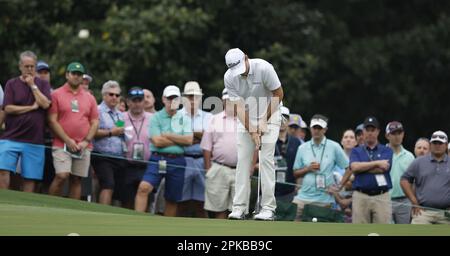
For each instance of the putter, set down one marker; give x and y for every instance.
(258, 199)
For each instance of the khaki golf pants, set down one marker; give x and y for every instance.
(246, 148)
(371, 209)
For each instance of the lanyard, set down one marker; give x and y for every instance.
(138, 133)
(368, 154)
(323, 151)
(112, 117)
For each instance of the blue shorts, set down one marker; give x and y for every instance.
(32, 158)
(194, 180)
(174, 176)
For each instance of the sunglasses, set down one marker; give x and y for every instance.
(172, 97)
(113, 94)
(395, 127)
(439, 136)
(136, 92)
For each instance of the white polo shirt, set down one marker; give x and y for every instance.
(255, 89)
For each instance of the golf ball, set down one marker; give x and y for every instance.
(373, 234)
(314, 219)
(73, 234)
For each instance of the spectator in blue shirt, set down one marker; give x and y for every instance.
(371, 164)
(315, 162)
(109, 143)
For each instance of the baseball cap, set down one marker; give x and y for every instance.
(303, 124)
(235, 60)
(136, 93)
(296, 120)
(439, 136)
(371, 121)
(171, 90)
(319, 120)
(192, 88)
(285, 111)
(359, 128)
(394, 126)
(225, 95)
(87, 77)
(75, 67)
(42, 65)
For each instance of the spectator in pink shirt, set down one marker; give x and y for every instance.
(137, 125)
(220, 159)
(73, 117)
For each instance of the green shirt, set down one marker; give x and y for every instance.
(400, 162)
(178, 124)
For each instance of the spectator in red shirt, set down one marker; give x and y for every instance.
(73, 118)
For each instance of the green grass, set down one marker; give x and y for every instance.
(34, 214)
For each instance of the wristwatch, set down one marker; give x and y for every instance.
(34, 87)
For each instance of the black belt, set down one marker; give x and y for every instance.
(373, 192)
(229, 166)
(167, 155)
(193, 156)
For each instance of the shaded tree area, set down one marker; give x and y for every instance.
(345, 59)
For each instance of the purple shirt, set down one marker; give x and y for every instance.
(28, 127)
(220, 139)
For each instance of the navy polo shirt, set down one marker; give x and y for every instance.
(365, 180)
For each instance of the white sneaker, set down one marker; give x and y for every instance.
(237, 214)
(265, 215)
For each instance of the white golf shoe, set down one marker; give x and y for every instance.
(237, 214)
(265, 215)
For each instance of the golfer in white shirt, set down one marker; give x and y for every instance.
(254, 86)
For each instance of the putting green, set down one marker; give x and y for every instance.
(35, 214)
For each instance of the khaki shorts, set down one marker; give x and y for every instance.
(64, 163)
(430, 217)
(219, 188)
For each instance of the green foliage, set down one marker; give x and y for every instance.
(345, 59)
